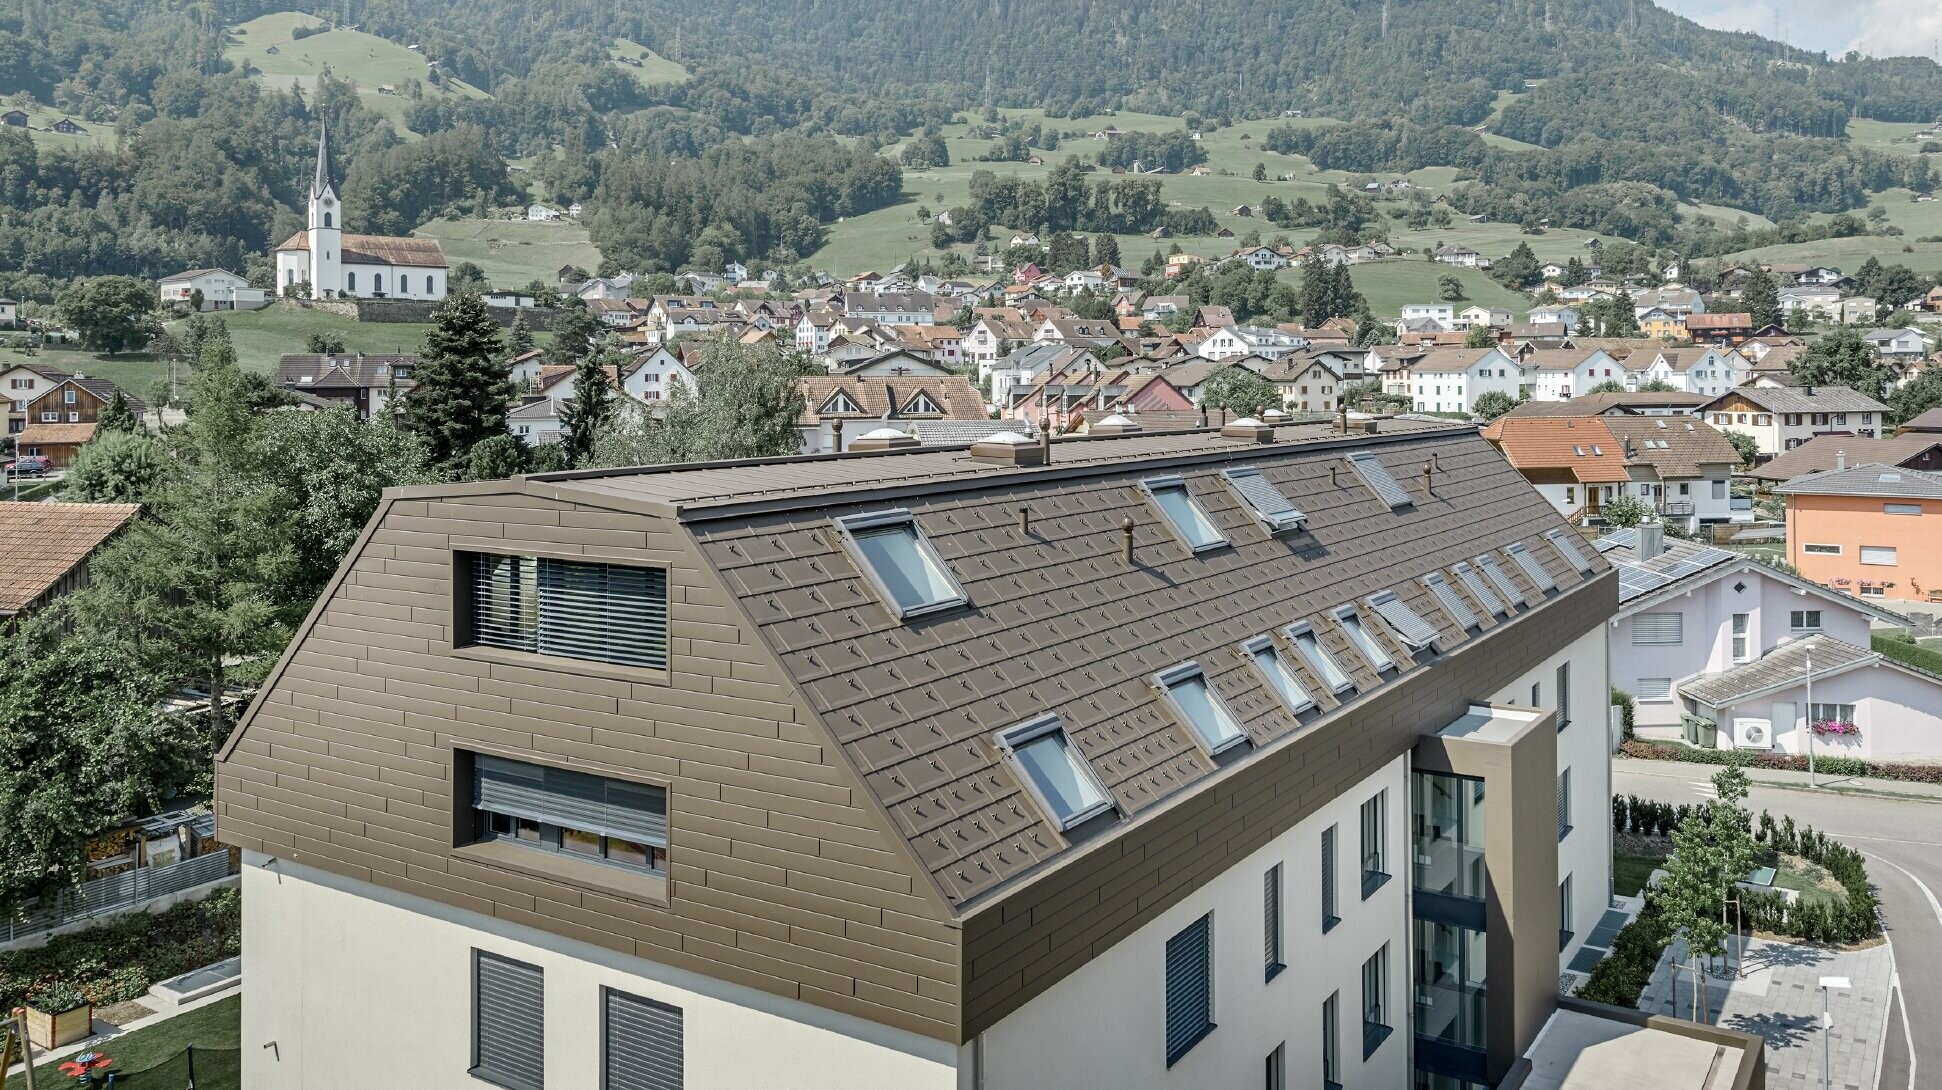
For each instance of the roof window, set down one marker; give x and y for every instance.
(897, 558)
(1190, 524)
(1061, 779)
(1364, 640)
(1500, 579)
(1532, 568)
(1310, 645)
(1202, 710)
(1267, 658)
(1568, 549)
(1451, 601)
(1374, 474)
(1408, 625)
(1480, 590)
(1267, 503)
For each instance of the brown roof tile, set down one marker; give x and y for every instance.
(380, 249)
(44, 541)
(1555, 443)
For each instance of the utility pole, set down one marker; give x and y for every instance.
(1811, 781)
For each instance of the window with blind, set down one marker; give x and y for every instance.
(642, 1044)
(1655, 688)
(1564, 695)
(1271, 921)
(1658, 629)
(577, 814)
(508, 1022)
(1452, 602)
(1531, 567)
(1564, 804)
(1375, 850)
(1190, 988)
(1269, 507)
(569, 608)
(1480, 590)
(1329, 917)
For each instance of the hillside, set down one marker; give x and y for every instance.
(389, 76)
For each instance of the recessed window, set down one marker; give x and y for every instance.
(1375, 1001)
(1500, 579)
(1063, 781)
(1279, 675)
(1271, 921)
(1480, 590)
(508, 1022)
(1564, 804)
(1655, 688)
(1452, 602)
(615, 822)
(1409, 626)
(1364, 640)
(1319, 660)
(1901, 508)
(1268, 505)
(1375, 843)
(922, 403)
(1190, 524)
(1332, 1041)
(1821, 550)
(1190, 988)
(908, 574)
(1658, 629)
(1532, 569)
(570, 608)
(1568, 549)
(643, 1044)
(1804, 620)
(1879, 555)
(840, 402)
(1376, 475)
(1202, 710)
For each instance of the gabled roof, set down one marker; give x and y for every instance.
(379, 250)
(1682, 565)
(1583, 445)
(1819, 454)
(878, 397)
(42, 542)
(1867, 480)
(1456, 359)
(1675, 446)
(310, 371)
(51, 435)
(1607, 404)
(1785, 667)
(1806, 399)
(1930, 421)
(191, 274)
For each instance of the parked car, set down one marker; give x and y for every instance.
(29, 465)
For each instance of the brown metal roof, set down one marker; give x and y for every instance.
(1058, 621)
(379, 250)
(44, 541)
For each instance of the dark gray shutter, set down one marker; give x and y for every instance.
(1564, 695)
(559, 796)
(603, 612)
(1328, 874)
(642, 1045)
(1189, 987)
(508, 1022)
(1271, 915)
(1533, 568)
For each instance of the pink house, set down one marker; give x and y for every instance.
(1059, 399)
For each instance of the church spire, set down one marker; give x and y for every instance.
(323, 179)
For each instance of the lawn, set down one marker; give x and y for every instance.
(1390, 284)
(100, 133)
(1811, 881)
(1630, 873)
(155, 1056)
(365, 59)
(646, 66)
(1893, 137)
(514, 253)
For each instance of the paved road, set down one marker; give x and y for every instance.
(1903, 840)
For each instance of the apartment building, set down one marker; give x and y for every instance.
(1450, 380)
(1780, 418)
(1867, 530)
(981, 767)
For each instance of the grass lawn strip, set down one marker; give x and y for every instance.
(153, 1056)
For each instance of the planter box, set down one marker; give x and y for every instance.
(48, 1031)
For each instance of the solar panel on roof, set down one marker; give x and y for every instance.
(1264, 499)
(1414, 630)
(1480, 590)
(1452, 602)
(1563, 544)
(1532, 569)
(1376, 476)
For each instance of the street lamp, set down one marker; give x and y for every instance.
(1808, 651)
(1829, 984)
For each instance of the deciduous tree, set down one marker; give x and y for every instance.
(112, 313)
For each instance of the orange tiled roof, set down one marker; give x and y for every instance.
(1552, 443)
(44, 541)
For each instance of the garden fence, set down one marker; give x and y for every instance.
(117, 891)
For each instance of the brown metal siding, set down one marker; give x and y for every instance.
(1020, 947)
(783, 876)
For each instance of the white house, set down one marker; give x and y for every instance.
(1780, 418)
(220, 290)
(537, 422)
(539, 213)
(322, 262)
(651, 377)
(1266, 258)
(892, 307)
(1560, 374)
(1489, 317)
(9, 312)
(1450, 380)
(1236, 341)
(1442, 313)
(1691, 616)
(1898, 346)
(1462, 256)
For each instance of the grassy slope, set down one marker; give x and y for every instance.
(99, 134)
(514, 254)
(362, 58)
(1915, 220)
(646, 66)
(217, 1026)
(1894, 137)
(885, 237)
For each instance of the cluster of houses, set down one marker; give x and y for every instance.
(51, 413)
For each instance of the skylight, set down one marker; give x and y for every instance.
(1500, 579)
(1190, 524)
(907, 572)
(1267, 659)
(1409, 626)
(1480, 590)
(1451, 601)
(1364, 640)
(1374, 474)
(1061, 779)
(1267, 503)
(1531, 567)
(1562, 542)
(1310, 645)
(1203, 711)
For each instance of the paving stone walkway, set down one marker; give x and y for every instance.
(1777, 997)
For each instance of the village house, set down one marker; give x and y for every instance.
(48, 547)
(21, 384)
(892, 308)
(1233, 341)
(1908, 450)
(1726, 329)
(1462, 256)
(1781, 418)
(1867, 530)
(653, 375)
(1898, 347)
(1056, 399)
(1450, 380)
(219, 289)
(841, 411)
(61, 419)
(369, 384)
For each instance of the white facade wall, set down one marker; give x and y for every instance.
(1900, 716)
(355, 985)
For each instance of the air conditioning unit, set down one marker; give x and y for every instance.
(1752, 734)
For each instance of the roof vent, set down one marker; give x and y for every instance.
(1273, 417)
(1008, 448)
(1115, 424)
(1248, 429)
(883, 439)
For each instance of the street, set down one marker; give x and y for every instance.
(1903, 841)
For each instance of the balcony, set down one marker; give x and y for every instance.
(1677, 509)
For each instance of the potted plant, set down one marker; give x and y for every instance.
(58, 1014)
(1836, 728)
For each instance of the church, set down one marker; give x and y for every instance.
(325, 263)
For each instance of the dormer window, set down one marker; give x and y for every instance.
(922, 403)
(1364, 640)
(1532, 569)
(1061, 780)
(1409, 626)
(1452, 602)
(1280, 677)
(1198, 706)
(1190, 524)
(1264, 500)
(1310, 645)
(899, 561)
(840, 402)
(1562, 542)
(1376, 475)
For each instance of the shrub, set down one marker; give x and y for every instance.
(1627, 969)
(1832, 766)
(1627, 708)
(120, 959)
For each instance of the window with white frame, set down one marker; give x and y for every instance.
(1878, 555)
(1182, 512)
(1821, 550)
(898, 559)
(1201, 708)
(1901, 508)
(1061, 779)
(1830, 713)
(1804, 620)
(1742, 636)
(1655, 688)
(1279, 675)
(1319, 660)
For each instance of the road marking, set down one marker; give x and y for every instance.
(1935, 906)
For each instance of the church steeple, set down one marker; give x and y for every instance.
(322, 181)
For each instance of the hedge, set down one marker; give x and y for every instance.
(1851, 922)
(1907, 652)
(118, 961)
(1832, 766)
(1621, 976)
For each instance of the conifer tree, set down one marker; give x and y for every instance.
(462, 386)
(592, 407)
(519, 338)
(116, 417)
(1761, 299)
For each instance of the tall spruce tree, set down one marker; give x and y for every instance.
(592, 407)
(519, 337)
(462, 386)
(117, 416)
(1761, 299)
